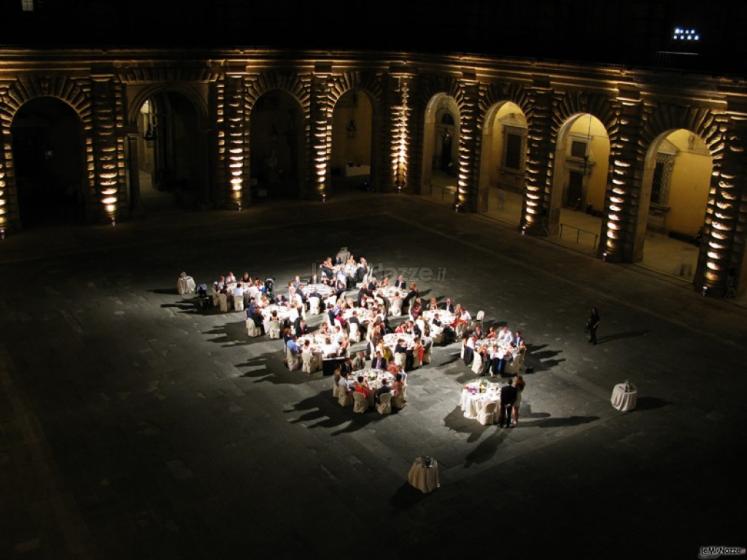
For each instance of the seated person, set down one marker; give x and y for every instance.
(362, 387)
(385, 388)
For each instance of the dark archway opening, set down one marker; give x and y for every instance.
(352, 141)
(276, 137)
(172, 153)
(48, 150)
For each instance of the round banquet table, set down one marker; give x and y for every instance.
(624, 397)
(322, 289)
(284, 312)
(473, 401)
(446, 317)
(391, 339)
(389, 292)
(424, 476)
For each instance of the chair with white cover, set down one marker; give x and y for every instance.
(480, 317)
(293, 359)
(400, 358)
(486, 416)
(395, 309)
(335, 387)
(515, 365)
(314, 303)
(273, 329)
(307, 357)
(344, 397)
(238, 303)
(398, 400)
(477, 363)
(427, 355)
(223, 303)
(360, 403)
(385, 404)
(252, 329)
(185, 285)
(355, 332)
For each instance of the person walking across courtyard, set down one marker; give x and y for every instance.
(592, 325)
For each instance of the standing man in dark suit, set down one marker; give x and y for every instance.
(508, 398)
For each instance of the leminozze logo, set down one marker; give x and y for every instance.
(710, 552)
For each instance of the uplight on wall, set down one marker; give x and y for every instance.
(685, 34)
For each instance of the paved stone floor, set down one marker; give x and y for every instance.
(133, 426)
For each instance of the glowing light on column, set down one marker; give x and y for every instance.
(400, 137)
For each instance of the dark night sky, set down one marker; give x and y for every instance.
(608, 31)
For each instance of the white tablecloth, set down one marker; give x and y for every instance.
(322, 289)
(391, 339)
(424, 478)
(472, 401)
(624, 398)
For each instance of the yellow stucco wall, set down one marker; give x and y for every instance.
(691, 176)
(599, 153)
(357, 149)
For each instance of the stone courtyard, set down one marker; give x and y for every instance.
(133, 425)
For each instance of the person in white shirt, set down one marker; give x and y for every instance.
(329, 348)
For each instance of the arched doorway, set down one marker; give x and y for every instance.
(48, 154)
(676, 183)
(579, 181)
(441, 148)
(171, 153)
(276, 146)
(502, 162)
(352, 140)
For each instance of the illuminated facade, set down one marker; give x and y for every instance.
(107, 91)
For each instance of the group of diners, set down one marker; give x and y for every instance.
(231, 293)
(497, 352)
(371, 388)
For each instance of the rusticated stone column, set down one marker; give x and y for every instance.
(534, 219)
(321, 134)
(398, 101)
(105, 149)
(627, 156)
(469, 145)
(232, 141)
(721, 261)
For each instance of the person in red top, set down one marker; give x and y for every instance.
(361, 387)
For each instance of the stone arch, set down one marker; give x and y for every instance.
(426, 90)
(370, 84)
(298, 87)
(709, 125)
(566, 105)
(76, 94)
(184, 89)
(492, 98)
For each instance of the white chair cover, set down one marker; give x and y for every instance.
(400, 358)
(344, 398)
(477, 363)
(335, 389)
(480, 316)
(314, 305)
(385, 404)
(293, 360)
(223, 302)
(251, 329)
(307, 356)
(360, 403)
(398, 401)
(514, 366)
(274, 329)
(238, 303)
(355, 332)
(486, 416)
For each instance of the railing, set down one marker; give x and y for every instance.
(579, 233)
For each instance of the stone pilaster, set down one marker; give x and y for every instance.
(622, 199)
(469, 146)
(321, 135)
(534, 212)
(105, 151)
(721, 261)
(233, 140)
(399, 137)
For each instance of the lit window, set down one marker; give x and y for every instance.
(27, 5)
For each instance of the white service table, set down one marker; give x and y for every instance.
(624, 397)
(473, 401)
(424, 476)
